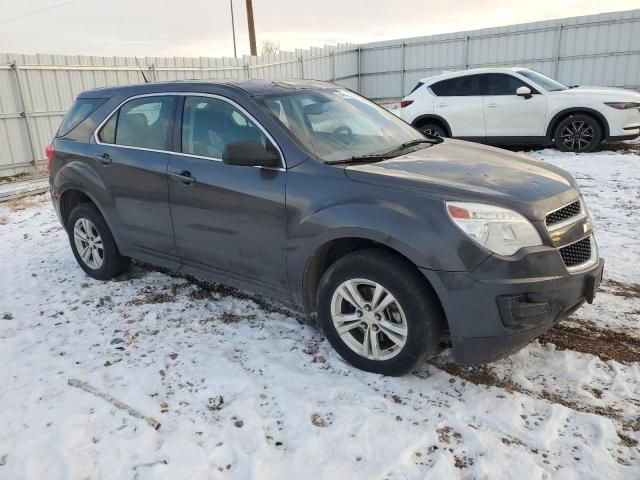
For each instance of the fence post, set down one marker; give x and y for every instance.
(301, 60)
(466, 52)
(247, 72)
(152, 70)
(402, 70)
(557, 59)
(333, 66)
(359, 69)
(24, 114)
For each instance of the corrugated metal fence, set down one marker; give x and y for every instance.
(36, 90)
(599, 49)
(604, 49)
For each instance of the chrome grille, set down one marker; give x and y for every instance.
(576, 253)
(564, 213)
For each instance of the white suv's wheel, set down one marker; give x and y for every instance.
(433, 130)
(578, 133)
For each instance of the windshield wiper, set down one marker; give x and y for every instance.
(373, 157)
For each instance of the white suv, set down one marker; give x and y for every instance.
(521, 106)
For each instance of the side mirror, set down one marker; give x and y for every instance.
(250, 154)
(524, 92)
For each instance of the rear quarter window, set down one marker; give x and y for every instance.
(81, 109)
(418, 85)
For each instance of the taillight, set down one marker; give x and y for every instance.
(50, 152)
(405, 103)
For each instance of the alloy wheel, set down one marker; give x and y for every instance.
(369, 319)
(577, 135)
(88, 243)
(432, 132)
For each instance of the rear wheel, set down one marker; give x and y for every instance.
(578, 133)
(377, 312)
(433, 129)
(92, 243)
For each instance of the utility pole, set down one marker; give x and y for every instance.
(233, 30)
(252, 28)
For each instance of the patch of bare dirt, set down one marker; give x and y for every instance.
(4, 220)
(482, 375)
(463, 461)
(621, 289)
(601, 342)
(631, 148)
(208, 290)
(150, 296)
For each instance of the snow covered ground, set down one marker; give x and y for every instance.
(242, 390)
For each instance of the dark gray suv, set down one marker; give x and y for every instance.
(305, 192)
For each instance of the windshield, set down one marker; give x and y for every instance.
(549, 84)
(337, 124)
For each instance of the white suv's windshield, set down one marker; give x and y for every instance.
(549, 84)
(337, 124)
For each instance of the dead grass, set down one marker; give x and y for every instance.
(23, 202)
(23, 176)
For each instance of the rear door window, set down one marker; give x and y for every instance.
(81, 109)
(465, 86)
(503, 84)
(143, 123)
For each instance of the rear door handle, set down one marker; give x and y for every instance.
(184, 177)
(442, 104)
(105, 159)
(492, 105)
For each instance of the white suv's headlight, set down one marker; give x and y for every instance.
(501, 230)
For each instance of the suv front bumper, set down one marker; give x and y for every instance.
(504, 304)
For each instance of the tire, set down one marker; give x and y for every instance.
(578, 133)
(87, 229)
(414, 311)
(433, 129)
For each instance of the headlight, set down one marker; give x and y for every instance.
(501, 230)
(623, 105)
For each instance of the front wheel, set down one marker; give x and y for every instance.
(578, 133)
(378, 313)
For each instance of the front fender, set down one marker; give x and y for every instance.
(413, 225)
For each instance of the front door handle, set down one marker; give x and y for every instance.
(105, 159)
(184, 177)
(492, 105)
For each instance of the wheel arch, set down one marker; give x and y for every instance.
(76, 183)
(422, 119)
(558, 117)
(332, 250)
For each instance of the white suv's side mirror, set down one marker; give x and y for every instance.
(523, 92)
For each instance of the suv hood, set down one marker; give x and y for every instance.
(459, 170)
(607, 94)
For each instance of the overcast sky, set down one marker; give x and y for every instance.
(203, 27)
